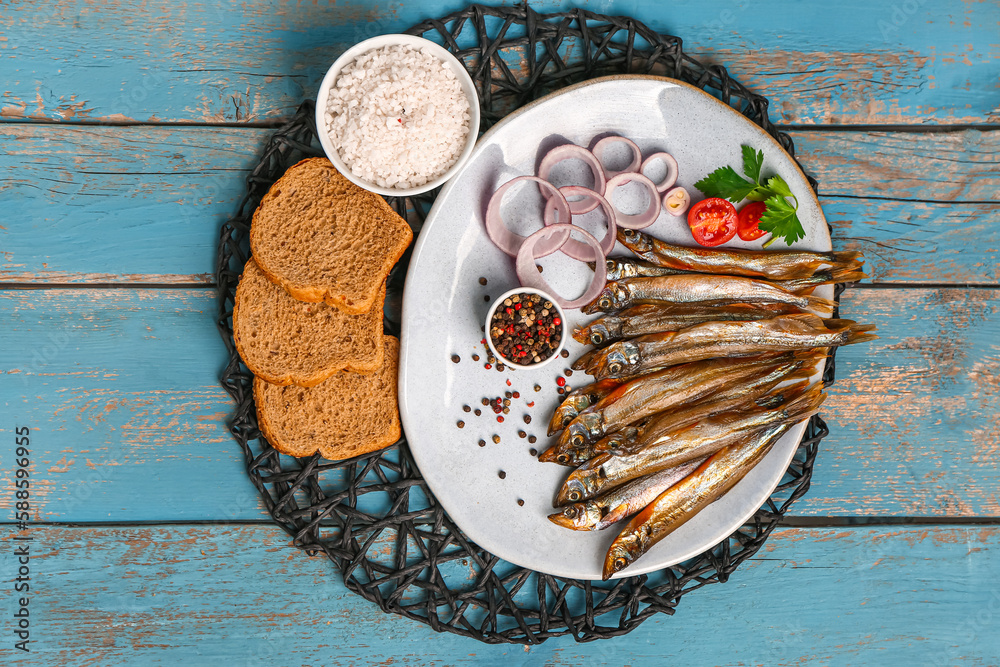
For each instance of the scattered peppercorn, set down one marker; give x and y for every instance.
(517, 394)
(539, 269)
(466, 408)
(532, 451)
(506, 402)
(500, 367)
(508, 394)
(488, 366)
(527, 419)
(561, 391)
(478, 412)
(502, 475)
(482, 443)
(538, 387)
(496, 439)
(522, 434)
(561, 381)
(567, 372)
(460, 424)
(532, 439)
(506, 411)
(482, 281)
(475, 357)
(486, 401)
(531, 404)
(520, 502)
(564, 354)
(500, 418)
(486, 297)
(455, 358)
(508, 384)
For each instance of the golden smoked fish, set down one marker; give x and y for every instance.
(664, 390)
(620, 503)
(629, 358)
(675, 506)
(697, 289)
(579, 400)
(772, 264)
(651, 318)
(701, 439)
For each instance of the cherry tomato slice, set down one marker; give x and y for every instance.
(712, 221)
(749, 218)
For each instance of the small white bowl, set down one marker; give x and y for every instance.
(468, 87)
(499, 301)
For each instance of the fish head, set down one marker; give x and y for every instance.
(618, 360)
(608, 328)
(567, 411)
(619, 439)
(636, 240)
(578, 516)
(612, 297)
(580, 485)
(627, 547)
(586, 427)
(617, 269)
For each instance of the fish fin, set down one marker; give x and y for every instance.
(592, 265)
(847, 257)
(860, 336)
(846, 274)
(810, 320)
(581, 336)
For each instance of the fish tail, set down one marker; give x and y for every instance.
(847, 258)
(782, 394)
(859, 334)
(847, 274)
(818, 305)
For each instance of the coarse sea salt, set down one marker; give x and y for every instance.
(398, 117)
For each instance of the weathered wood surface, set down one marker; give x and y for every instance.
(144, 204)
(203, 595)
(120, 389)
(852, 62)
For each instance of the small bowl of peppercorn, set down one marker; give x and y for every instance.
(525, 328)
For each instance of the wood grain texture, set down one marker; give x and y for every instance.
(923, 207)
(200, 595)
(120, 386)
(196, 61)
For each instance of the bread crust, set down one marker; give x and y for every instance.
(313, 293)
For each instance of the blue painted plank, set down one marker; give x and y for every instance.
(205, 595)
(121, 387)
(923, 207)
(819, 62)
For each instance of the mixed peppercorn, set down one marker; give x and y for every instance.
(526, 329)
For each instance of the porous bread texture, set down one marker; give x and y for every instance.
(286, 341)
(344, 416)
(322, 238)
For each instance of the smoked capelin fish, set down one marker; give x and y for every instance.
(620, 503)
(711, 340)
(663, 390)
(775, 265)
(675, 447)
(697, 289)
(651, 318)
(679, 503)
(749, 393)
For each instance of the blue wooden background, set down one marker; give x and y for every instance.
(126, 131)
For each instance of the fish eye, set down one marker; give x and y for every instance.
(615, 367)
(574, 496)
(619, 563)
(604, 302)
(596, 338)
(576, 440)
(566, 420)
(610, 263)
(570, 512)
(562, 458)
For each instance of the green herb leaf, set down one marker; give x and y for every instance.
(777, 185)
(752, 162)
(724, 182)
(780, 219)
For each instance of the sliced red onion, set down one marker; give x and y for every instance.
(639, 220)
(567, 152)
(676, 201)
(510, 242)
(572, 247)
(529, 276)
(671, 165)
(607, 141)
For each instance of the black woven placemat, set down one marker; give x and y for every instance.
(373, 516)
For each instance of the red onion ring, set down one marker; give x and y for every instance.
(507, 240)
(607, 141)
(683, 199)
(567, 152)
(572, 247)
(671, 165)
(639, 220)
(530, 277)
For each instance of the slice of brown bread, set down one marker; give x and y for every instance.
(285, 341)
(323, 238)
(346, 415)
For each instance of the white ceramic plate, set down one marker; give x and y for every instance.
(444, 306)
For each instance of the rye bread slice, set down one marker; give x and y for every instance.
(322, 238)
(346, 415)
(285, 341)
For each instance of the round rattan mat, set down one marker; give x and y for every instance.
(373, 516)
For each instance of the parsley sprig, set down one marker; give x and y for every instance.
(780, 218)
